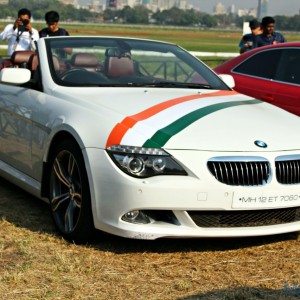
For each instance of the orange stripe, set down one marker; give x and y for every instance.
(120, 129)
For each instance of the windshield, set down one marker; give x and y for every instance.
(118, 62)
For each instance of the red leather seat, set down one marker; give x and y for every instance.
(86, 61)
(119, 66)
(21, 58)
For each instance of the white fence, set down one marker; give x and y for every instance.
(195, 53)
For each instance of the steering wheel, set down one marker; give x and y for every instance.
(83, 76)
(71, 73)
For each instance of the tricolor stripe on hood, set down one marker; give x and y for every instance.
(162, 121)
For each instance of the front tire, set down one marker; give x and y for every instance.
(69, 193)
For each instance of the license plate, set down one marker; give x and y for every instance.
(265, 200)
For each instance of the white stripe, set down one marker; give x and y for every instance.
(145, 129)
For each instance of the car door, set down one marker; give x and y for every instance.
(255, 76)
(287, 94)
(15, 127)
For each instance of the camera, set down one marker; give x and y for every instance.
(22, 26)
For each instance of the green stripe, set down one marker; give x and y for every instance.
(160, 138)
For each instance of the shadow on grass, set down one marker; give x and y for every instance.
(249, 293)
(24, 210)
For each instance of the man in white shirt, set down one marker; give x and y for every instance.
(20, 35)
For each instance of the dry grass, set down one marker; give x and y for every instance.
(35, 263)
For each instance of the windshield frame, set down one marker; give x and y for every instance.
(212, 80)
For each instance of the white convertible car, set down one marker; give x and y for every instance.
(140, 139)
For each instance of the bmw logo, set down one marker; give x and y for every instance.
(261, 144)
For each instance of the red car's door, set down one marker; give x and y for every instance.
(272, 75)
(287, 80)
(256, 87)
(287, 96)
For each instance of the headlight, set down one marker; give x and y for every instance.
(144, 162)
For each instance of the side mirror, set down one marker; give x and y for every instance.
(228, 79)
(15, 76)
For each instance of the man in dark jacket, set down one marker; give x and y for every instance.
(269, 35)
(248, 41)
(52, 29)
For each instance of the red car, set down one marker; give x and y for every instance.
(270, 73)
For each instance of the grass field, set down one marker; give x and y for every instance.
(36, 263)
(190, 39)
(193, 40)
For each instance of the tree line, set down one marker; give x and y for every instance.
(140, 15)
(38, 9)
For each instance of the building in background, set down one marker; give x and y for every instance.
(247, 12)
(231, 9)
(96, 6)
(219, 9)
(262, 8)
(152, 5)
(69, 2)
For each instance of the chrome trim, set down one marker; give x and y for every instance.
(288, 169)
(288, 157)
(239, 170)
(239, 158)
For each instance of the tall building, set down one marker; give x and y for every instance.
(231, 9)
(95, 6)
(67, 2)
(219, 9)
(262, 8)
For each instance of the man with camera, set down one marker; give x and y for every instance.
(20, 35)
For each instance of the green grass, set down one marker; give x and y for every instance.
(189, 38)
(192, 39)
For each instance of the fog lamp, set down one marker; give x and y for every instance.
(136, 216)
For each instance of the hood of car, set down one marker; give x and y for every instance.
(196, 120)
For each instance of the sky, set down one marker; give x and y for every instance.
(275, 7)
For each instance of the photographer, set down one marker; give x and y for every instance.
(20, 35)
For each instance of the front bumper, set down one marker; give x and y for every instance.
(113, 194)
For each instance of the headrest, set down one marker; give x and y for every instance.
(84, 60)
(19, 57)
(56, 63)
(117, 52)
(116, 67)
(6, 63)
(33, 62)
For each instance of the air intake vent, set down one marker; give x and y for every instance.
(239, 172)
(288, 171)
(251, 218)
